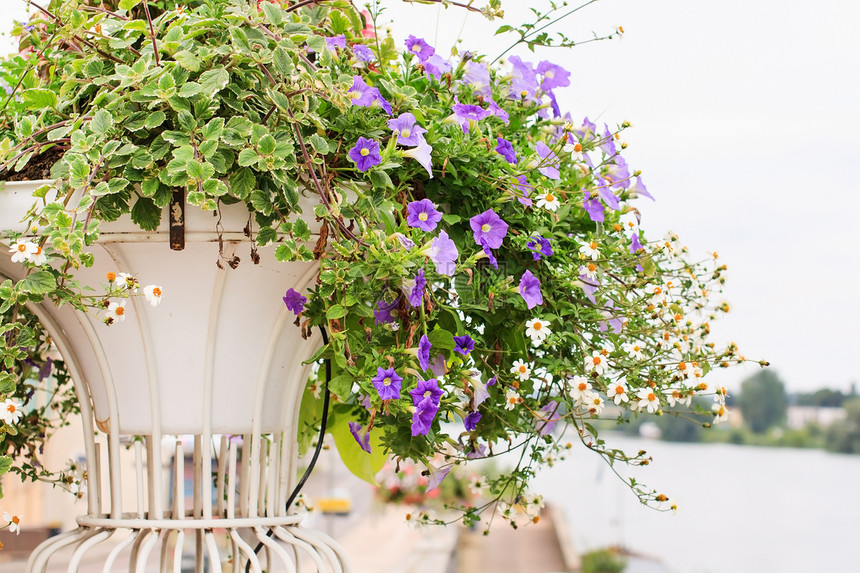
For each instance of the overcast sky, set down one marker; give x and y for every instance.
(745, 116)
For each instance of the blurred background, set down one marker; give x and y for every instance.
(745, 124)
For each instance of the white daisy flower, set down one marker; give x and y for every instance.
(590, 250)
(22, 250)
(721, 413)
(634, 350)
(126, 281)
(511, 399)
(617, 393)
(589, 270)
(594, 404)
(521, 370)
(580, 387)
(648, 399)
(11, 411)
(537, 330)
(152, 294)
(115, 312)
(596, 362)
(548, 201)
(14, 522)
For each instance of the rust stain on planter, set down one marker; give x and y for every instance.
(177, 220)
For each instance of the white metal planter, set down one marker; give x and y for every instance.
(219, 357)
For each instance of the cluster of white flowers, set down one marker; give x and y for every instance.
(126, 282)
(24, 250)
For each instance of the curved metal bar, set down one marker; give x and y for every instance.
(145, 549)
(322, 543)
(135, 549)
(280, 551)
(214, 555)
(286, 535)
(247, 550)
(39, 557)
(85, 546)
(119, 549)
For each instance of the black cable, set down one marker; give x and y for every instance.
(313, 462)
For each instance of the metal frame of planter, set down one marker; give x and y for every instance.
(197, 370)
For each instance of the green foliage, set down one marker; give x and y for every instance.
(603, 561)
(763, 401)
(844, 437)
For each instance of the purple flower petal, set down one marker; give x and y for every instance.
(530, 290)
(419, 47)
(363, 439)
(506, 149)
(422, 215)
(490, 228)
(407, 131)
(549, 161)
(417, 294)
(427, 389)
(424, 346)
(365, 154)
(423, 416)
(471, 421)
(443, 252)
(295, 301)
(387, 384)
(464, 344)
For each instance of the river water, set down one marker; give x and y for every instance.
(741, 509)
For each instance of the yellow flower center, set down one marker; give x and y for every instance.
(592, 267)
(523, 369)
(651, 397)
(119, 311)
(549, 197)
(550, 74)
(11, 408)
(537, 326)
(353, 95)
(427, 393)
(416, 48)
(486, 227)
(405, 133)
(597, 360)
(422, 216)
(22, 247)
(583, 386)
(619, 389)
(365, 152)
(577, 148)
(593, 244)
(156, 291)
(386, 381)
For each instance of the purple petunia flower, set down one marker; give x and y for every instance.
(435, 66)
(553, 76)
(427, 389)
(471, 421)
(492, 381)
(365, 154)
(437, 365)
(405, 241)
(523, 186)
(436, 476)
(464, 344)
(617, 172)
(506, 149)
(589, 287)
(423, 416)
(387, 384)
(382, 312)
(586, 130)
(362, 52)
(638, 188)
(635, 245)
(548, 412)
(477, 75)
(594, 208)
(407, 131)
(295, 301)
(335, 42)
(363, 439)
(424, 346)
(607, 145)
(548, 161)
(422, 215)
(417, 294)
(419, 47)
(466, 112)
(490, 228)
(490, 256)
(539, 247)
(524, 83)
(497, 111)
(421, 154)
(363, 95)
(443, 252)
(530, 290)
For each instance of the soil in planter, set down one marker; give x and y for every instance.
(39, 167)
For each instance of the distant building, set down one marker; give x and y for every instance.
(799, 417)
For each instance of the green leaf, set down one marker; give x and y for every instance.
(242, 182)
(266, 235)
(38, 99)
(149, 186)
(339, 23)
(187, 60)
(319, 144)
(248, 157)
(283, 62)
(102, 122)
(363, 465)
(40, 282)
(273, 13)
(5, 464)
(154, 119)
(128, 4)
(441, 338)
(337, 311)
(190, 89)
(145, 214)
(214, 81)
(380, 179)
(240, 39)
